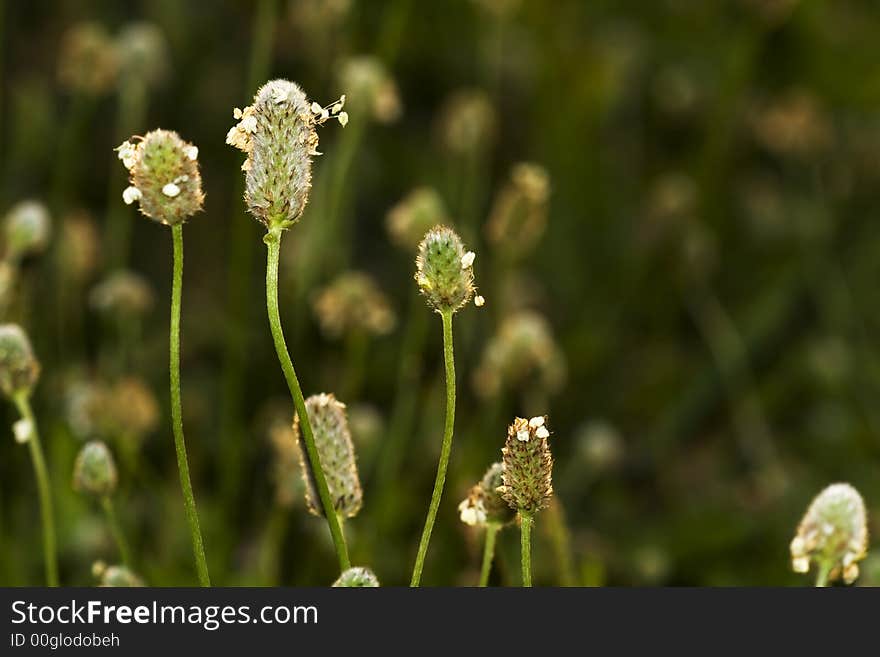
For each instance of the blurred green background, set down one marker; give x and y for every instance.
(685, 281)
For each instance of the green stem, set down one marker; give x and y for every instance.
(50, 554)
(116, 529)
(526, 547)
(822, 575)
(273, 241)
(488, 552)
(445, 449)
(561, 537)
(189, 501)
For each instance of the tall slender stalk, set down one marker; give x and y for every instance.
(525, 526)
(445, 449)
(822, 575)
(116, 529)
(488, 552)
(273, 242)
(50, 554)
(189, 500)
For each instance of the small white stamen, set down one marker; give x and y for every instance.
(479, 300)
(192, 152)
(343, 118)
(131, 194)
(468, 259)
(522, 436)
(316, 109)
(801, 565)
(23, 430)
(171, 190)
(236, 113)
(542, 432)
(249, 123)
(537, 421)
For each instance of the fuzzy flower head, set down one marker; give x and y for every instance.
(143, 52)
(277, 132)
(414, 215)
(468, 121)
(94, 471)
(19, 368)
(357, 577)
(163, 175)
(79, 246)
(123, 294)
(353, 302)
(484, 503)
(444, 270)
(833, 534)
(336, 452)
(88, 61)
(528, 466)
(115, 575)
(27, 228)
(519, 214)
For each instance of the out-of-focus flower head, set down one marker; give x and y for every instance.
(353, 302)
(370, 89)
(88, 61)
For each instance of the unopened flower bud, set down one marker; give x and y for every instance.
(278, 135)
(94, 471)
(27, 228)
(19, 368)
(336, 454)
(528, 466)
(833, 534)
(164, 177)
(357, 577)
(415, 215)
(441, 273)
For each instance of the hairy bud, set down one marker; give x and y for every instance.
(444, 270)
(19, 368)
(528, 466)
(164, 176)
(278, 135)
(357, 577)
(94, 471)
(414, 215)
(833, 534)
(484, 504)
(353, 302)
(336, 454)
(26, 229)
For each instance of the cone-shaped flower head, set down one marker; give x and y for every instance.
(27, 228)
(353, 302)
(528, 466)
(115, 575)
(336, 453)
(94, 471)
(833, 534)
(415, 215)
(484, 503)
(164, 176)
(278, 135)
(357, 577)
(19, 368)
(444, 270)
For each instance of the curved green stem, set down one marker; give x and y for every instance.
(189, 501)
(273, 241)
(488, 552)
(526, 547)
(445, 449)
(822, 575)
(50, 554)
(116, 529)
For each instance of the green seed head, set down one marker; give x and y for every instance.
(94, 471)
(353, 302)
(19, 368)
(336, 453)
(444, 270)
(528, 466)
(123, 295)
(164, 176)
(833, 534)
(115, 575)
(357, 577)
(278, 135)
(484, 503)
(27, 228)
(415, 215)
